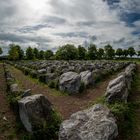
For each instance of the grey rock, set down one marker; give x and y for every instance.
(14, 88)
(117, 90)
(34, 111)
(70, 82)
(86, 78)
(26, 93)
(96, 123)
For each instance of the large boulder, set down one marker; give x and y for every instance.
(34, 111)
(86, 78)
(117, 90)
(70, 82)
(96, 123)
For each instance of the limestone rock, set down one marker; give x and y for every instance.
(34, 111)
(70, 82)
(96, 123)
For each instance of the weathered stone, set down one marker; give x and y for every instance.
(14, 88)
(34, 111)
(26, 93)
(70, 82)
(96, 123)
(86, 78)
(117, 90)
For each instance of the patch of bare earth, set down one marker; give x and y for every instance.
(66, 105)
(7, 118)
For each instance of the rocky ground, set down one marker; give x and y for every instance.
(64, 103)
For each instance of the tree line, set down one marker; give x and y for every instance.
(70, 52)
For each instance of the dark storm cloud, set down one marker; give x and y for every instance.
(73, 34)
(33, 28)
(21, 38)
(85, 23)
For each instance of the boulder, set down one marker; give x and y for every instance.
(34, 111)
(26, 93)
(96, 123)
(70, 82)
(14, 88)
(117, 90)
(86, 78)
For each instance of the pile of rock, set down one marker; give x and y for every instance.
(96, 123)
(69, 76)
(118, 88)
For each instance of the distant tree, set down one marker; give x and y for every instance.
(81, 53)
(119, 52)
(29, 53)
(48, 54)
(36, 53)
(131, 51)
(1, 51)
(15, 52)
(92, 52)
(67, 52)
(125, 53)
(100, 53)
(41, 54)
(109, 52)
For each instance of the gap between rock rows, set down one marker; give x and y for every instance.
(66, 105)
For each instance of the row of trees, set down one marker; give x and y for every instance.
(70, 52)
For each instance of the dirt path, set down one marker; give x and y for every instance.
(66, 105)
(7, 118)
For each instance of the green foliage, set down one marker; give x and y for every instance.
(92, 52)
(41, 55)
(81, 53)
(48, 130)
(1, 51)
(82, 87)
(29, 53)
(15, 52)
(100, 53)
(119, 52)
(36, 53)
(67, 52)
(109, 52)
(48, 54)
(125, 53)
(131, 51)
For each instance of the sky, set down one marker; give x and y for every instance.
(48, 24)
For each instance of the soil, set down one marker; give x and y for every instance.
(7, 117)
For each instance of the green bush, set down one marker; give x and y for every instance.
(82, 87)
(42, 78)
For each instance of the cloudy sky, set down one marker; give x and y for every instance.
(46, 24)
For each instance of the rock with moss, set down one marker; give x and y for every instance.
(86, 78)
(70, 82)
(34, 111)
(96, 123)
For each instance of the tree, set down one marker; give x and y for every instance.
(125, 53)
(131, 51)
(15, 52)
(48, 54)
(119, 52)
(1, 51)
(29, 53)
(36, 53)
(41, 54)
(109, 52)
(67, 52)
(81, 52)
(100, 53)
(92, 52)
